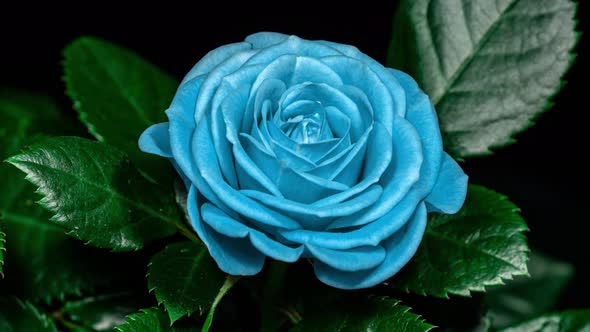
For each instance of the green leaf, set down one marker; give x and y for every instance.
(102, 312)
(152, 320)
(567, 321)
(520, 299)
(17, 316)
(2, 247)
(97, 194)
(24, 118)
(374, 314)
(41, 262)
(479, 246)
(489, 67)
(118, 95)
(185, 279)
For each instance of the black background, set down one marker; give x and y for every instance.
(546, 173)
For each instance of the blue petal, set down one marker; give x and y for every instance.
(275, 249)
(384, 74)
(346, 170)
(182, 126)
(398, 179)
(356, 259)
(233, 256)
(291, 157)
(156, 140)
(213, 58)
(314, 217)
(448, 194)
(214, 78)
(327, 96)
(270, 90)
(292, 45)
(360, 99)
(232, 111)
(250, 164)
(230, 227)
(422, 116)
(222, 223)
(219, 133)
(208, 169)
(312, 152)
(371, 234)
(358, 74)
(265, 39)
(294, 185)
(294, 69)
(397, 171)
(400, 248)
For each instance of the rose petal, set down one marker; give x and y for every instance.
(240, 79)
(422, 116)
(347, 169)
(270, 90)
(233, 256)
(222, 223)
(214, 79)
(291, 158)
(311, 152)
(368, 235)
(181, 129)
(400, 248)
(291, 184)
(250, 157)
(292, 45)
(265, 39)
(156, 140)
(228, 226)
(208, 169)
(356, 259)
(448, 194)
(213, 58)
(385, 76)
(311, 216)
(327, 96)
(379, 158)
(358, 74)
(397, 180)
(296, 69)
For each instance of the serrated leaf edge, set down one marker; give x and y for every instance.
(500, 279)
(19, 162)
(162, 302)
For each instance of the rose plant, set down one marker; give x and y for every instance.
(304, 186)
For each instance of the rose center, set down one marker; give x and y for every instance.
(306, 122)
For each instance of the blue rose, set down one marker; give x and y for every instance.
(294, 149)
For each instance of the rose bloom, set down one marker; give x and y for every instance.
(292, 149)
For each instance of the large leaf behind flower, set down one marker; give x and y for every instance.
(41, 260)
(374, 314)
(118, 95)
(97, 194)
(479, 246)
(490, 67)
